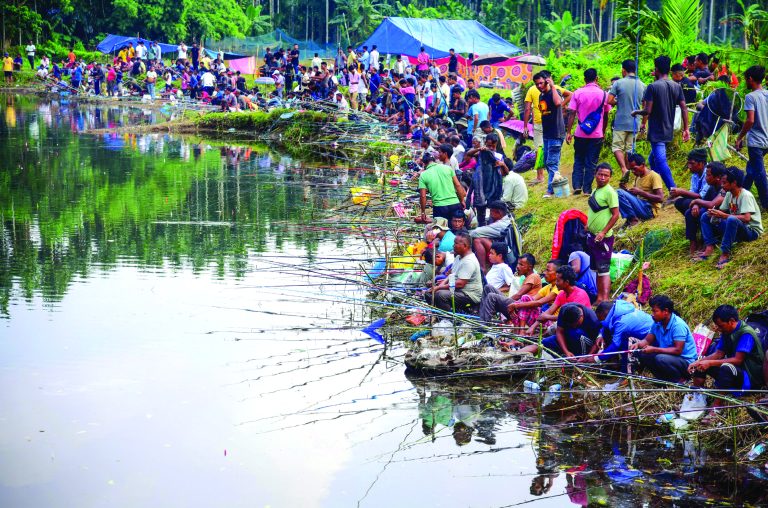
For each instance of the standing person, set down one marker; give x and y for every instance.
(98, 76)
(8, 68)
(422, 67)
(533, 112)
(194, 54)
(71, 59)
(755, 130)
(478, 112)
(111, 78)
(400, 65)
(30, 49)
(182, 49)
(443, 187)
(158, 52)
(499, 111)
(365, 59)
(487, 186)
(668, 349)
(661, 98)
(374, 58)
(453, 62)
(295, 57)
(552, 125)
(339, 63)
(279, 83)
(141, 50)
(354, 87)
(317, 61)
(625, 94)
(589, 107)
(151, 80)
(77, 78)
(601, 217)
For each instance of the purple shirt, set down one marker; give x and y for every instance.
(584, 101)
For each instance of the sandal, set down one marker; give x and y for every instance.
(721, 264)
(699, 258)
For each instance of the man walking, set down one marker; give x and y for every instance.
(755, 130)
(661, 98)
(626, 94)
(589, 108)
(552, 124)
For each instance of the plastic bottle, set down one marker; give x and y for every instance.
(531, 386)
(555, 388)
(756, 451)
(666, 418)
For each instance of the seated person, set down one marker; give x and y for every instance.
(500, 276)
(568, 292)
(736, 220)
(458, 222)
(514, 191)
(433, 268)
(621, 320)
(577, 331)
(443, 235)
(697, 161)
(483, 236)
(674, 348)
(469, 280)
(495, 300)
(737, 362)
(541, 302)
(643, 200)
(712, 198)
(585, 276)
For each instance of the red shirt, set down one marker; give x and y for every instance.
(578, 295)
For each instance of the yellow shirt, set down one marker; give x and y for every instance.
(7, 64)
(121, 55)
(351, 59)
(649, 183)
(532, 96)
(131, 52)
(549, 289)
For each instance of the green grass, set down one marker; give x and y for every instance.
(696, 288)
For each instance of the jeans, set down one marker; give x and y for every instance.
(493, 302)
(658, 162)
(552, 149)
(31, 59)
(97, 87)
(586, 152)
(151, 90)
(575, 340)
(443, 300)
(632, 207)
(446, 211)
(731, 230)
(756, 174)
(666, 367)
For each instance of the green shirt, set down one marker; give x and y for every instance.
(468, 268)
(606, 197)
(745, 203)
(438, 180)
(514, 190)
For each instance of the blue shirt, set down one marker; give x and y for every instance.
(481, 110)
(497, 110)
(374, 82)
(446, 244)
(699, 183)
(77, 74)
(677, 331)
(624, 321)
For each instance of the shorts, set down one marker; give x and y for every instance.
(622, 141)
(600, 254)
(8, 74)
(538, 136)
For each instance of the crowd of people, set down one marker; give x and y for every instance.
(469, 267)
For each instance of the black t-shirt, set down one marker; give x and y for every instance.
(453, 63)
(295, 56)
(194, 52)
(552, 123)
(590, 327)
(689, 90)
(666, 95)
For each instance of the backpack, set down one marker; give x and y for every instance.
(514, 242)
(759, 322)
(590, 123)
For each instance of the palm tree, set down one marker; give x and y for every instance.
(359, 17)
(563, 33)
(751, 20)
(260, 23)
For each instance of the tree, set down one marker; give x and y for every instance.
(260, 23)
(359, 18)
(563, 33)
(751, 19)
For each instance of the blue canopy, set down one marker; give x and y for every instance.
(406, 36)
(112, 43)
(227, 55)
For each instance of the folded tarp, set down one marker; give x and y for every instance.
(112, 43)
(405, 36)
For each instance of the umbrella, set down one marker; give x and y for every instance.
(490, 59)
(531, 59)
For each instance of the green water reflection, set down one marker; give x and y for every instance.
(71, 202)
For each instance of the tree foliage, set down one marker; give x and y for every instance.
(563, 33)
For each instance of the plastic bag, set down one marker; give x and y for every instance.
(620, 264)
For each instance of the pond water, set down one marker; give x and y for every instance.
(176, 331)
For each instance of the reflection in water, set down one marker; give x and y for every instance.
(175, 333)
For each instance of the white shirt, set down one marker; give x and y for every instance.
(207, 79)
(500, 275)
(454, 163)
(182, 51)
(317, 62)
(375, 59)
(342, 104)
(458, 152)
(30, 50)
(400, 66)
(141, 51)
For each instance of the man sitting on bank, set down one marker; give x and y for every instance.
(483, 236)
(736, 220)
(737, 363)
(669, 348)
(643, 200)
(577, 330)
(712, 198)
(469, 280)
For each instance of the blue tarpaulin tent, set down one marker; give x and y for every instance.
(112, 43)
(405, 36)
(227, 55)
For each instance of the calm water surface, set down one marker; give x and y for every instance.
(174, 333)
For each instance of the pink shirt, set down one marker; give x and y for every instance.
(423, 60)
(577, 296)
(584, 101)
(354, 80)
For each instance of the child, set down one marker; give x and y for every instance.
(429, 273)
(168, 77)
(500, 275)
